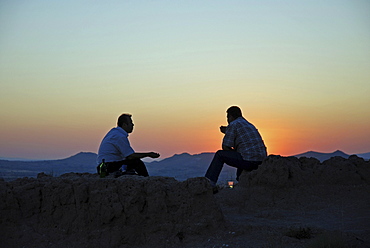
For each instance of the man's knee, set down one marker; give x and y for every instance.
(133, 161)
(219, 153)
(222, 154)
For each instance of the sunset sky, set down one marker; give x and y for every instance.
(299, 70)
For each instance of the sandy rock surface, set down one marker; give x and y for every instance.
(287, 202)
(83, 210)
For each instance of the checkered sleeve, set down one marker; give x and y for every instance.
(229, 138)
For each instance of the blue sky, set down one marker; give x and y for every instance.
(300, 70)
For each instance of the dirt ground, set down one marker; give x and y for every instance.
(335, 216)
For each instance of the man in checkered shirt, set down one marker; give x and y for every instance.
(242, 146)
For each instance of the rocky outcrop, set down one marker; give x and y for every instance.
(286, 193)
(83, 210)
(285, 172)
(290, 183)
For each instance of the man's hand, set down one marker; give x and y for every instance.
(141, 155)
(223, 129)
(153, 155)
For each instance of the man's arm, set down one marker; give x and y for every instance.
(223, 129)
(139, 155)
(228, 140)
(227, 148)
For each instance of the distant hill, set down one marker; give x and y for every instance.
(183, 166)
(179, 166)
(364, 155)
(322, 156)
(81, 162)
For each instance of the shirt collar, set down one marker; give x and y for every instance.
(237, 119)
(121, 130)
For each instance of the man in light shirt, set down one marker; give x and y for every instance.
(117, 153)
(242, 146)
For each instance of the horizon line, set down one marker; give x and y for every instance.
(44, 159)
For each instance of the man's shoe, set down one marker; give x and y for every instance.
(215, 190)
(213, 185)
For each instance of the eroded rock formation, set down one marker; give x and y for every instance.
(83, 210)
(285, 172)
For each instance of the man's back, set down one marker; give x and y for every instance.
(245, 138)
(115, 146)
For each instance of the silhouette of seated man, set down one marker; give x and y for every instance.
(117, 153)
(242, 147)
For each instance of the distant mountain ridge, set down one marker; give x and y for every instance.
(179, 166)
(325, 156)
(183, 166)
(81, 162)
(322, 156)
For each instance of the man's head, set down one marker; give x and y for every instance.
(125, 122)
(233, 113)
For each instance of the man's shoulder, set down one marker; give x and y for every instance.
(239, 121)
(117, 131)
(242, 123)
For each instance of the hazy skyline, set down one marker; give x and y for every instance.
(300, 71)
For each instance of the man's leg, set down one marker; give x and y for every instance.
(231, 158)
(114, 166)
(138, 166)
(217, 163)
(238, 173)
